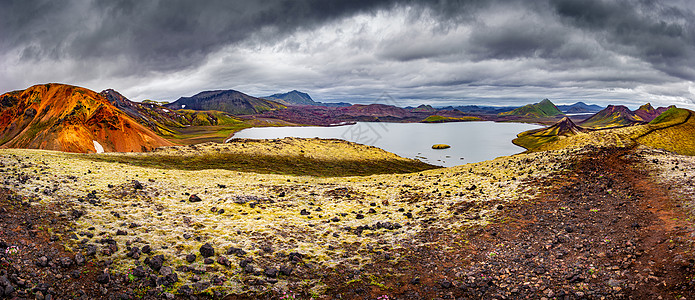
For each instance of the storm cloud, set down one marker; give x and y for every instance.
(435, 52)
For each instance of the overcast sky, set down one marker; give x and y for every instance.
(436, 52)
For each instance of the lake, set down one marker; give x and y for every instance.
(470, 141)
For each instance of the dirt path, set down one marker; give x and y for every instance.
(601, 230)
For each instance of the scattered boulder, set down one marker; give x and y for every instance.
(79, 259)
(134, 253)
(42, 262)
(139, 271)
(103, 278)
(296, 256)
(270, 272)
(137, 185)
(155, 263)
(194, 198)
(190, 258)
(286, 270)
(236, 251)
(207, 250)
(223, 261)
(91, 250)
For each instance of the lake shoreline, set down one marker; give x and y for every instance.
(470, 141)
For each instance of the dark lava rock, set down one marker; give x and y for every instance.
(286, 270)
(271, 272)
(445, 284)
(208, 261)
(134, 253)
(194, 198)
(155, 262)
(296, 256)
(146, 249)
(223, 261)
(249, 269)
(164, 271)
(207, 250)
(185, 290)
(103, 278)
(168, 280)
(42, 262)
(190, 258)
(304, 212)
(236, 251)
(359, 216)
(121, 232)
(139, 271)
(91, 250)
(66, 262)
(137, 185)
(79, 259)
(246, 261)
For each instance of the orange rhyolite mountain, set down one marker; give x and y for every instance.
(72, 119)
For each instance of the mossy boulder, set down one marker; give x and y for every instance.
(440, 146)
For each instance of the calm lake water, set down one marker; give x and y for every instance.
(469, 141)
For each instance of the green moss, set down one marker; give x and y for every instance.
(442, 119)
(287, 164)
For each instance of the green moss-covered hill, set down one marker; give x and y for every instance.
(542, 109)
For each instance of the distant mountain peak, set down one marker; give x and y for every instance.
(229, 101)
(293, 97)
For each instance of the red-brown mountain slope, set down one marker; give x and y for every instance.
(69, 118)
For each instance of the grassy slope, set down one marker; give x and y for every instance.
(291, 156)
(542, 109)
(674, 130)
(613, 120)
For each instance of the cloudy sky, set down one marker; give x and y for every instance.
(438, 52)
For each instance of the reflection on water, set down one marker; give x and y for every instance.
(470, 141)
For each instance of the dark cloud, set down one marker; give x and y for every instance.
(659, 32)
(356, 49)
(156, 35)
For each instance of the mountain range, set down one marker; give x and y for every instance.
(613, 116)
(619, 115)
(68, 118)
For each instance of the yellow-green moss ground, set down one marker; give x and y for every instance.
(163, 217)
